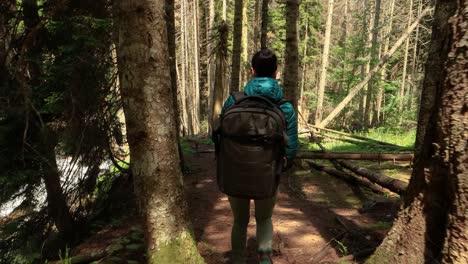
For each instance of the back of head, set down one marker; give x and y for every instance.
(264, 62)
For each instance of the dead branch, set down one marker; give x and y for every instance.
(392, 184)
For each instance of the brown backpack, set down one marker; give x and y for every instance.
(250, 145)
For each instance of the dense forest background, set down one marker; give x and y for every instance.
(76, 100)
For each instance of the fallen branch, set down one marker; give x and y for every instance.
(359, 137)
(392, 184)
(349, 178)
(356, 156)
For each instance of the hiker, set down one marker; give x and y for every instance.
(240, 151)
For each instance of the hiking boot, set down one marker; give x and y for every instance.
(264, 258)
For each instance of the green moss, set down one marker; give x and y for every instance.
(181, 250)
(380, 256)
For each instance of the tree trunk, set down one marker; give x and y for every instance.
(383, 74)
(374, 58)
(412, 76)
(263, 40)
(432, 222)
(43, 138)
(56, 200)
(405, 61)
(195, 108)
(323, 71)
(209, 51)
(382, 61)
(291, 60)
(145, 79)
(224, 12)
(245, 69)
(220, 82)
(184, 69)
(302, 105)
(236, 46)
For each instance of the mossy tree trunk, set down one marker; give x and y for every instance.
(145, 78)
(431, 228)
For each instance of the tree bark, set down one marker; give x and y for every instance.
(220, 82)
(145, 78)
(382, 61)
(236, 46)
(291, 60)
(432, 221)
(324, 65)
(264, 40)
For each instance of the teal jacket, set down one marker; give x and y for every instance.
(269, 87)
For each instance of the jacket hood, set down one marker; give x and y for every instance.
(264, 86)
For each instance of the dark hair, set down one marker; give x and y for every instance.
(264, 62)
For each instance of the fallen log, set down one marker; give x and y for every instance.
(348, 177)
(359, 137)
(392, 184)
(356, 156)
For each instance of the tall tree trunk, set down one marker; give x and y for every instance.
(211, 68)
(220, 86)
(432, 222)
(374, 58)
(245, 69)
(323, 70)
(257, 24)
(224, 11)
(291, 60)
(56, 200)
(383, 74)
(171, 42)
(44, 138)
(196, 69)
(184, 69)
(405, 61)
(412, 77)
(145, 79)
(302, 105)
(263, 41)
(236, 46)
(366, 37)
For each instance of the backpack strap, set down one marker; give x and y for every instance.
(238, 96)
(282, 101)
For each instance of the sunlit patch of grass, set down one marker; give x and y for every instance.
(404, 139)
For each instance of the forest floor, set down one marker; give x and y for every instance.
(317, 218)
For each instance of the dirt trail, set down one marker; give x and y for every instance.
(302, 231)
